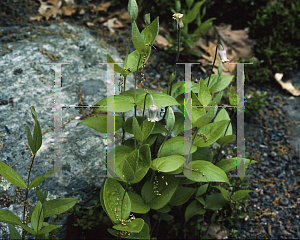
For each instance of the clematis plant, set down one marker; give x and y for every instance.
(147, 165)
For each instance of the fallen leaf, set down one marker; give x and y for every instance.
(113, 23)
(50, 11)
(237, 40)
(102, 7)
(68, 10)
(161, 42)
(212, 231)
(89, 24)
(123, 15)
(228, 69)
(287, 86)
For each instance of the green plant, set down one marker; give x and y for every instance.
(149, 161)
(272, 24)
(43, 208)
(254, 102)
(191, 16)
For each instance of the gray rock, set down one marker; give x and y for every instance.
(83, 148)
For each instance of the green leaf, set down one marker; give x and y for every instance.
(143, 234)
(226, 139)
(181, 195)
(206, 118)
(161, 100)
(40, 195)
(37, 181)
(99, 123)
(220, 68)
(164, 209)
(223, 83)
(189, 3)
(136, 225)
(122, 103)
(137, 130)
(200, 200)
(223, 115)
(137, 203)
(58, 206)
(201, 190)
(30, 140)
(232, 96)
(203, 28)
(215, 201)
(217, 99)
(204, 94)
(170, 118)
(37, 217)
(131, 61)
(10, 175)
(128, 171)
(211, 172)
(224, 192)
(37, 137)
(202, 154)
(147, 19)
(8, 217)
(172, 77)
(49, 228)
(175, 146)
(33, 113)
(14, 234)
(167, 164)
(137, 39)
(148, 127)
(240, 194)
(193, 13)
(212, 131)
(159, 201)
(194, 208)
(179, 123)
(116, 67)
(230, 164)
(132, 10)
(112, 192)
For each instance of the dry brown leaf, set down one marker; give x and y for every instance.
(237, 40)
(68, 10)
(212, 231)
(81, 11)
(161, 42)
(123, 15)
(89, 24)
(113, 23)
(287, 86)
(50, 11)
(38, 18)
(102, 7)
(228, 69)
(99, 20)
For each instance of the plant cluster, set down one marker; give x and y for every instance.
(193, 15)
(272, 24)
(254, 102)
(149, 162)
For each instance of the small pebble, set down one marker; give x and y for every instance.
(284, 201)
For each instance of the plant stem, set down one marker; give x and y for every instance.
(213, 65)
(26, 202)
(123, 115)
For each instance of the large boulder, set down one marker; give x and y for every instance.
(27, 80)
